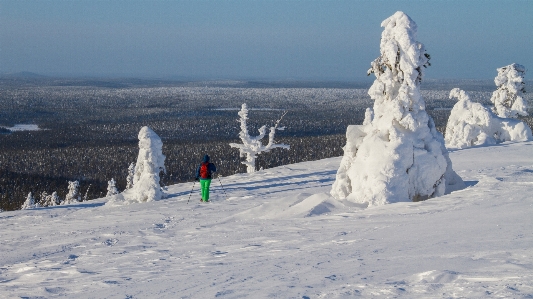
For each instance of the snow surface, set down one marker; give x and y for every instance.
(278, 233)
(23, 127)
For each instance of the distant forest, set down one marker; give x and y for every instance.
(89, 127)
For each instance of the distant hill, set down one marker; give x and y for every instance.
(22, 75)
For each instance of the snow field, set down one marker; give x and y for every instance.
(280, 234)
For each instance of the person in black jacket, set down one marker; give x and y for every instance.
(203, 173)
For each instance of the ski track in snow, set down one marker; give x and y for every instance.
(278, 233)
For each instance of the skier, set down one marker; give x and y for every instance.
(203, 173)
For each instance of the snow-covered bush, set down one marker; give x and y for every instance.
(50, 200)
(111, 188)
(150, 162)
(252, 146)
(399, 155)
(73, 195)
(29, 203)
(507, 99)
(473, 124)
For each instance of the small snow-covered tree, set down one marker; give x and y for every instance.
(51, 200)
(399, 155)
(73, 194)
(472, 124)
(252, 146)
(42, 199)
(131, 175)
(507, 99)
(55, 198)
(111, 188)
(29, 203)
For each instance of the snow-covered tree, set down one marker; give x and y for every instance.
(507, 99)
(131, 175)
(473, 124)
(73, 194)
(86, 196)
(50, 200)
(399, 155)
(150, 163)
(111, 188)
(252, 146)
(42, 199)
(29, 203)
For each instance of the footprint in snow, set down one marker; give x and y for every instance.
(110, 242)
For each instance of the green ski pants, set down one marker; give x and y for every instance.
(205, 183)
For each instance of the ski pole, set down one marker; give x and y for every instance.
(226, 197)
(191, 192)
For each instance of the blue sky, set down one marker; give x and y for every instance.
(254, 39)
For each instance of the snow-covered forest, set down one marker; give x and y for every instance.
(89, 128)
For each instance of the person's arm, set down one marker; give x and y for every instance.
(197, 173)
(212, 167)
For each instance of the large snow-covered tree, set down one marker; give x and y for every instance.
(73, 194)
(399, 155)
(252, 146)
(507, 99)
(150, 162)
(472, 124)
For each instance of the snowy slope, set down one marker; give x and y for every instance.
(280, 234)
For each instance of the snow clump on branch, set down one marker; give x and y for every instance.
(398, 155)
(252, 146)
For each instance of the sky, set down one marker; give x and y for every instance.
(255, 39)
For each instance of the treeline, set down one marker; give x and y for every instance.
(50, 170)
